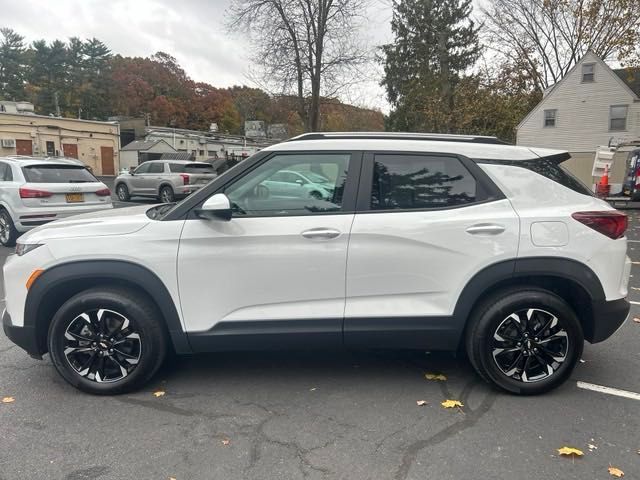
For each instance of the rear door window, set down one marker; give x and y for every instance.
(156, 168)
(57, 174)
(198, 168)
(5, 173)
(406, 182)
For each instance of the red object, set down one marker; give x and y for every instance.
(185, 178)
(604, 180)
(105, 192)
(613, 224)
(32, 193)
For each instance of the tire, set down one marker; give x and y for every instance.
(514, 343)
(122, 192)
(167, 195)
(132, 348)
(8, 232)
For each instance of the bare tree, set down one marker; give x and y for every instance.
(308, 48)
(548, 37)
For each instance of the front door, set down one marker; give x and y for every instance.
(275, 273)
(70, 150)
(106, 156)
(24, 147)
(426, 223)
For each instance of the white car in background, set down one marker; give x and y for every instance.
(35, 191)
(292, 184)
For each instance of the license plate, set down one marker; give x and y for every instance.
(74, 197)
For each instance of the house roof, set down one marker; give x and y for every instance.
(141, 145)
(630, 76)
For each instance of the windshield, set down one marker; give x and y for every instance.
(57, 174)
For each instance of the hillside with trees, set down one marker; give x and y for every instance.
(84, 79)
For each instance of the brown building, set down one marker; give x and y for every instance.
(96, 144)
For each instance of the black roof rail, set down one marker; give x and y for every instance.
(440, 137)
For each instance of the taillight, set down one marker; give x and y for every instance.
(105, 192)
(185, 178)
(613, 224)
(33, 193)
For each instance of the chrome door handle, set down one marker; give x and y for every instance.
(321, 233)
(486, 229)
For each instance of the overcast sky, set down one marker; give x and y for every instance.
(193, 31)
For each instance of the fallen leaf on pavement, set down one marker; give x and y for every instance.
(435, 376)
(570, 451)
(636, 319)
(421, 403)
(452, 403)
(592, 446)
(159, 393)
(172, 478)
(616, 472)
(226, 441)
(635, 288)
(8, 400)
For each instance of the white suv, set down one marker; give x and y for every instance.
(35, 191)
(428, 242)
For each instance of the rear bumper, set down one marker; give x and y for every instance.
(608, 317)
(24, 337)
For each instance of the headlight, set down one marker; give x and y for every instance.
(22, 248)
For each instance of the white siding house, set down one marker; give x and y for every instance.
(591, 106)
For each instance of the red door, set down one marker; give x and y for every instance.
(106, 155)
(70, 150)
(24, 147)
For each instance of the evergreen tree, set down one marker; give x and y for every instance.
(435, 42)
(12, 65)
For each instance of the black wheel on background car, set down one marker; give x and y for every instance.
(8, 232)
(166, 194)
(316, 195)
(524, 340)
(122, 192)
(107, 340)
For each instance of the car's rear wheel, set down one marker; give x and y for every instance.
(166, 194)
(524, 340)
(107, 340)
(8, 232)
(123, 193)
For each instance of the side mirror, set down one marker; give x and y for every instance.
(217, 206)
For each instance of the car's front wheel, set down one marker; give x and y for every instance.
(123, 193)
(524, 340)
(107, 340)
(8, 232)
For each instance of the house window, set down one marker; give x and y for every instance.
(588, 72)
(550, 118)
(618, 117)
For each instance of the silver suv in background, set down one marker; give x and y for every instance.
(35, 191)
(164, 179)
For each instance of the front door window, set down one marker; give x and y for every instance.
(292, 184)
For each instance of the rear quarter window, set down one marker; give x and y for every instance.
(548, 169)
(57, 174)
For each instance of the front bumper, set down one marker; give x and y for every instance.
(608, 317)
(24, 337)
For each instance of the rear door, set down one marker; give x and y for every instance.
(61, 186)
(425, 224)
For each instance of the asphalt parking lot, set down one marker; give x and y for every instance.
(323, 415)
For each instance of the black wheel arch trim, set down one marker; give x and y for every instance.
(554, 267)
(53, 281)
